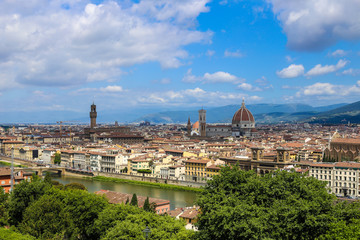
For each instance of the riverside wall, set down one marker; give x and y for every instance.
(152, 179)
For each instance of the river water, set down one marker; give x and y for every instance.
(177, 198)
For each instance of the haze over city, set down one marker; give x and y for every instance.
(149, 56)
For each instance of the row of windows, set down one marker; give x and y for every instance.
(349, 185)
(336, 177)
(350, 192)
(195, 168)
(336, 172)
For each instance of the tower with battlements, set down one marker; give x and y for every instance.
(93, 116)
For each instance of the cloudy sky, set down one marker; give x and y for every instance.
(179, 54)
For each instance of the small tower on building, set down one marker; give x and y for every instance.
(93, 116)
(202, 122)
(188, 127)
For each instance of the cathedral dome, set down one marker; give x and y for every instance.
(195, 125)
(243, 115)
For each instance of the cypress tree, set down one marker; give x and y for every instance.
(127, 201)
(134, 201)
(146, 206)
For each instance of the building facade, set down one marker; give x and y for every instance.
(342, 178)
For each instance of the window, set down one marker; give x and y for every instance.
(2, 182)
(344, 178)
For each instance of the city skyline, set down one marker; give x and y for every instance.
(63, 55)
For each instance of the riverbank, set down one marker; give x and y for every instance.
(8, 164)
(158, 185)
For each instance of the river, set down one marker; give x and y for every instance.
(177, 198)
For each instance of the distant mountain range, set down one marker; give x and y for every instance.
(344, 114)
(263, 113)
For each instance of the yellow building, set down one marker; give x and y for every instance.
(212, 170)
(136, 164)
(6, 146)
(26, 153)
(195, 169)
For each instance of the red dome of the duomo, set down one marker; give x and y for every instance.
(243, 115)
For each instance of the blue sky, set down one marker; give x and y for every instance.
(154, 55)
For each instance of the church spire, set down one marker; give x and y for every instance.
(243, 103)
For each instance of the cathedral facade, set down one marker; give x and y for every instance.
(243, 124)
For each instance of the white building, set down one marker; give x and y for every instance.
(47, 154)
(342, 177)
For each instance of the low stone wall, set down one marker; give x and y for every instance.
(152, 179)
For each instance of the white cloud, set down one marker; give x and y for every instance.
(236, 54)
(210, 53)
(351, 71)
(221, 77)
(248, 87)
(217, 77)
(338, 53)
(314, 25)
(321, 70)
(111, 89)
(330, 90)
(44, 44)
(292, 71)
(195, 97)
(289, 59)
(99, 91)
(190, 78)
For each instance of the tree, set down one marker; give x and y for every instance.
(134, 200)
(45, 218)
(47, 178)
(4, 215)
(127, 201)
(128, 222)
(284, 205)
(57, 158)
(23, 195)
(146, 206)
(75, 185)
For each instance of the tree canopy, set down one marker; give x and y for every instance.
(281, 205)
(134, 200)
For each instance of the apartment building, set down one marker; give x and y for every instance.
(343, 178)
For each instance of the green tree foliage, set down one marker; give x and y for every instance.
(144, 171)
(23, 195)
(47, 178)
(4, 215)
(109, 217)
(127, 201)
(128, 222)
(45, 218)
(146, 206)
(242, 205)
(7, 234)
(134, 201)
(57, 158)
(82, 208)
(75, 185)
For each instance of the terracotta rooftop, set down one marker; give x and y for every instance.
(346, 140)
(117, 197)
(196, 161)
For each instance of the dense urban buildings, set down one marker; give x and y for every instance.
(192, 155)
